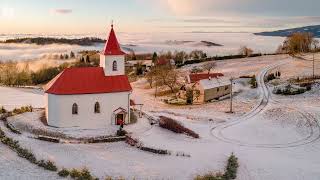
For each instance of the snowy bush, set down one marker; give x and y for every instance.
(176, 127)
(48, 165)
(121, 132)
(83, 174)
(253, 82)
(21, 110)
(74, 173)
(2, 110)
(289, 90)
(12, 128)
(270, 77)
(64, 172)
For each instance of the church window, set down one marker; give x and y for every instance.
(97, 107)
(74, 108)
(114, 66)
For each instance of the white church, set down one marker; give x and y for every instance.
(91, 97)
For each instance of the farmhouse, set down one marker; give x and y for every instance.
(91, 97)
(213, 88)
(205, 87)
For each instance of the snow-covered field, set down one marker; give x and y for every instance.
(274, 137)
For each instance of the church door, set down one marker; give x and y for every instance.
(119, 119)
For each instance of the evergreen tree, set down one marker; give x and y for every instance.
(154, 57)
(82, 59)
(72, 54)
(87, 59)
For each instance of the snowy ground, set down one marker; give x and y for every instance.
(13, 167)
(276, 139)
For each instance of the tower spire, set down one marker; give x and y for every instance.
(112, 46)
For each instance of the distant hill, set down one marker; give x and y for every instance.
(88, 41)
(315, 30)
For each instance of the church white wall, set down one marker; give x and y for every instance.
(107, 62)
(59, 109)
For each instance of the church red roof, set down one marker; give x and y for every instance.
(112, 46)
(197, 77)
(87, 80)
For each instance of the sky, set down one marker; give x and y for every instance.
(95, 16)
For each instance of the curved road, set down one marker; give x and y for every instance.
(265, 99)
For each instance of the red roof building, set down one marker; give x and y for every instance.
(91, 97)
(192, 78)
(87, 80)
(112, 46)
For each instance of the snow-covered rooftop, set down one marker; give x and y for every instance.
(214, 82)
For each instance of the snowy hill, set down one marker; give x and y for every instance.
(315, 30)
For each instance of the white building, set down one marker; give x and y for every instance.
(91, 97)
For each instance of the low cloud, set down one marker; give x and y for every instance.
(62, 11)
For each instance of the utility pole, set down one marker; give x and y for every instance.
(231, 80)
(313, 67)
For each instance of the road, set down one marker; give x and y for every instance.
(266, 99)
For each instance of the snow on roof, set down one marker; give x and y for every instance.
(112, 46)
(87, 80)
(192, 78)
(143, 62)
(214, 82)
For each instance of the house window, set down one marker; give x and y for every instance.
(217, 89)
(96, 107)
(74, 108)
(114, 66)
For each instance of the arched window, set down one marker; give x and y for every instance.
(96, 107)
(74, 108)
(114, 66)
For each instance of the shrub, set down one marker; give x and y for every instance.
(22, 109)
(25, 153)
(2, 110)
(83, 174)
(121, 132)
(64, 172)
(49, 165)
(232, 168)
(253, 82)
(270, 77)
(176, 127)
(74, 173)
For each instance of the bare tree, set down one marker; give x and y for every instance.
(244, 50)
(165, 75)
(150, 76)
(298, 43)
(209, 66)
